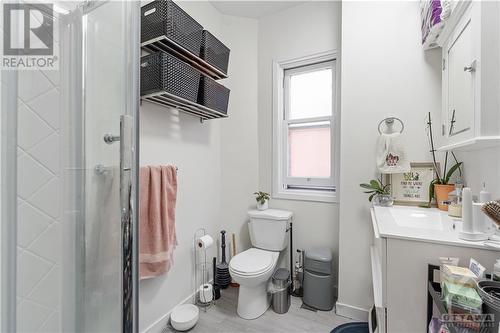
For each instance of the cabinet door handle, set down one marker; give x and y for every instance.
(452, 123)
(471, 68)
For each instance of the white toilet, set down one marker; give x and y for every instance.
(253, 268)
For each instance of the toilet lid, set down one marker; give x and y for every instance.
(252, 261)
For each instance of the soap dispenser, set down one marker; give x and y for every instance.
(484, 195)
(488, 224)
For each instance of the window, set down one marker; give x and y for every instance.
(305, 133)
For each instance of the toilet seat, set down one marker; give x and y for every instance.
(253, 262)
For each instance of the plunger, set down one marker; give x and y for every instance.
(223, 277)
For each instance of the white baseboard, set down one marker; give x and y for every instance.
(351, 311)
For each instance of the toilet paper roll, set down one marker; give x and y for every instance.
(204, 242)
(206, 293)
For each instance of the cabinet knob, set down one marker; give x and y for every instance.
(471, 68)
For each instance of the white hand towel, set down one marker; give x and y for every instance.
(391, 156)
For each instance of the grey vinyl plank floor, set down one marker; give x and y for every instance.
(222, 317)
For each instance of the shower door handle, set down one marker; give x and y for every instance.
(126, 153)
(126, 212)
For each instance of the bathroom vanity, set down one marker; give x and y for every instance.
(407, 239)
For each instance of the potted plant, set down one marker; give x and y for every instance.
(379, 192)
(262, 199)
(440, 186)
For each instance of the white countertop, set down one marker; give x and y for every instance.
(419, 224)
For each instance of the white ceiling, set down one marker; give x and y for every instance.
(252, 9)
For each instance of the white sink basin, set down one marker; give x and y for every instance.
(419, 224)
(417, 218)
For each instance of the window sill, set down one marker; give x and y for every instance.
(307, 195)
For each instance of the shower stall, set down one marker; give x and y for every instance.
(69, 166)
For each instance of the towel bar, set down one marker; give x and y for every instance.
(389, 121)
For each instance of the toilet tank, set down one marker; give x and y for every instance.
(268, 228)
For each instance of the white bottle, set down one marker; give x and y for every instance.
(484, 196)
(489, 225)
(496, 271)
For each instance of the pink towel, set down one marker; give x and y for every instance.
(157, 239)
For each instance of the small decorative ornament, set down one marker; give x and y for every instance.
(391, 160)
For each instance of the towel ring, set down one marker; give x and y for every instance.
(389, 121)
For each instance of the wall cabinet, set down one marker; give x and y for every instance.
(470, 117)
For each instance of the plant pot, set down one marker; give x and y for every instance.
(263, 206)
(441, 192)
(384, 200)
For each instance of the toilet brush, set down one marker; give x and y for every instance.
(223, 277)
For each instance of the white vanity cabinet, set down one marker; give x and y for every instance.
(470, 117)
(405, 240)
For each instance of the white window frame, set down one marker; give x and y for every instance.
(307, 189)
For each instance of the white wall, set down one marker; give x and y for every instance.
(482, 166)
(385, 72)
(240, 167)
(303, 30)
(203, 152)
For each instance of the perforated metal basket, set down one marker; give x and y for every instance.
(213, 95)
(165, 18)
(162, 72)
(214, 51)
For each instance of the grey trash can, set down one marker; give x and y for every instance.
(280, 290)
(318, 279)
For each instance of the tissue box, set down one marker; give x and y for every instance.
(458, 275)
(463, 296)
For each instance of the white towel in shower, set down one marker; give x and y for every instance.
(391, 155)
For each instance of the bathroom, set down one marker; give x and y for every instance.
(70, 260)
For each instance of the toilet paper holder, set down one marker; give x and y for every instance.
(201, 265)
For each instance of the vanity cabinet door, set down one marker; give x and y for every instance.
(459, 80)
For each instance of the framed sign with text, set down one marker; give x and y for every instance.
(412, 188)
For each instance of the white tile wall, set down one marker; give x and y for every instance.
(39, 237)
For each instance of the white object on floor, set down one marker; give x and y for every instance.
(253, 268)
(391, 155)
(184, 317)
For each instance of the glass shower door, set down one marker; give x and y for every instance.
(68, 180)
(103, 130)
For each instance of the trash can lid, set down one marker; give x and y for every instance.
(281, 274)
(319, 253)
